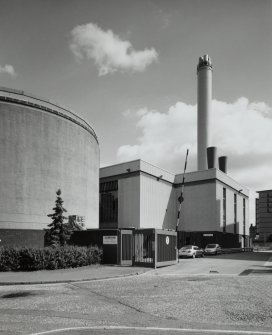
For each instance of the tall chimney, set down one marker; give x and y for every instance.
(212, 157)
(204, 100)
(222, 161)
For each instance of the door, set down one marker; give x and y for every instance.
(126, 247)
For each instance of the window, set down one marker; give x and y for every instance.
(109, 203)
(224, 210)
(108, 186)
(235, 213)
(268, 202)
(244, 216)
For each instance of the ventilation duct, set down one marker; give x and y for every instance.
(211, 157)
(222, 161)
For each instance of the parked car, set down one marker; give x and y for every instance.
(191, 251)
(212, 249)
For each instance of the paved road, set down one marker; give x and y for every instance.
(184, 296)
(226, 264)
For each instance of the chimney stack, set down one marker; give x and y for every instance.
(204, 100)
(211, 157)
(222, 161)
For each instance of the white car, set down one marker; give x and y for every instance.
(191, 251)
(212, 249)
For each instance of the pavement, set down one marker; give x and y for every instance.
(85, 273)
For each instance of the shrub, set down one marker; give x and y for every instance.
(49, 258)
(9, 260)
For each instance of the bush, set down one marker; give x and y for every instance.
(49, 258)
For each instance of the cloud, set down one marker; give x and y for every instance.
(241, 130)
(109, 52)
(8, 69)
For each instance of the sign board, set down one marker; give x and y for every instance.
(109, 239)
(208, 235)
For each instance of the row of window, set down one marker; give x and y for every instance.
(109, 205)
(235, 212)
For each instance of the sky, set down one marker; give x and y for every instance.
(129, 69)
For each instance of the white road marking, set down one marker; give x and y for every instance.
(178, 330)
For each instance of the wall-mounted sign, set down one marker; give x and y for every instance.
(109, 239)
(167, 240)
(208, 235)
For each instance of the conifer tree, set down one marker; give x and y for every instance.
(58, 233)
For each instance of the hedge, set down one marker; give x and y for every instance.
(48, 258)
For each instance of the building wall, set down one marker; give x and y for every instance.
(264, 215)
(43, 150)
(129, 202)
(30, 238)
(230, 211)
(199, 209)
(157, 203)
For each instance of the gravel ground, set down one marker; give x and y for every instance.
(221, 302)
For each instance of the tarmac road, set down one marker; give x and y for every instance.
(183, 297)
(225, 264)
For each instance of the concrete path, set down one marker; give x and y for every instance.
(93, 272)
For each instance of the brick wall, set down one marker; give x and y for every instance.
(22, 238)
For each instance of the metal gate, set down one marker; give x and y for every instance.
(154, 247)
(144, 247)
(126, 247)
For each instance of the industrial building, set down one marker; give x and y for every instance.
(215, 207)
(44, 147)
(264, 216)
(140, 195)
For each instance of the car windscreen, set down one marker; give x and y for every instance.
(211, 246)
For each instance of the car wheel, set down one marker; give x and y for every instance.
(215, 253)
(202, 255)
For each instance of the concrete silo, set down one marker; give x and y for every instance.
(43, 147)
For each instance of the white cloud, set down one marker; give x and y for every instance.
(241, 130)
(109, 52)
(8, 69)
(127, 113)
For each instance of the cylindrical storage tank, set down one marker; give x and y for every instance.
(211, 157)
(204, 101)
(222, 161)
(45, 147)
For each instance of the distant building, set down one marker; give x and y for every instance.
(77, 221)
(264, 215)
(140, 195)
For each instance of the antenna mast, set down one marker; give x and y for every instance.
(180, 198)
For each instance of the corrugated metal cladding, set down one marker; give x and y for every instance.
(166, 247)
(157, 203)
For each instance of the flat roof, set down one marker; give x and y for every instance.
(194, 176)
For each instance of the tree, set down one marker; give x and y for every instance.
(58, 233)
